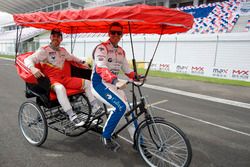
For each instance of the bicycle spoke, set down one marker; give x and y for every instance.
(163, 145)
(31, 122)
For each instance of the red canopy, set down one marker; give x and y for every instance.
(143, 19)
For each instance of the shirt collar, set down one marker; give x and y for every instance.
(54, 48)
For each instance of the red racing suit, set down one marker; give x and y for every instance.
(52, 62)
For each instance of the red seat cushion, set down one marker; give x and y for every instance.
(69, 93)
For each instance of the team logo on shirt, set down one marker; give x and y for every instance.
(110, 60)
(52, 56)
(109, 96)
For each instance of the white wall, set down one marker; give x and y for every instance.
(215, 55)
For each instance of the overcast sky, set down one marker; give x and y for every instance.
(5, 18)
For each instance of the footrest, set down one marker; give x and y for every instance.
(61, 123)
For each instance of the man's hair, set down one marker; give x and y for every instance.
(116, 24)
(56, 31)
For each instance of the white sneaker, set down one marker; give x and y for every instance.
(76, 120)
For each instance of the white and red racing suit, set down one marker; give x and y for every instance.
(108, 61)
(52, 63)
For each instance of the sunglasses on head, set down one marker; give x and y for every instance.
(116, 32)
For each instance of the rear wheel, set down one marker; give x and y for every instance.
(161, 144)
(32, 123)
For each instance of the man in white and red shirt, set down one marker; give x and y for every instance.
(52, 58)
(109, 60)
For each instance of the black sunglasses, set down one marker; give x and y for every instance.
(116, 32)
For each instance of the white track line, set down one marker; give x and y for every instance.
(206, 122)
(199, 96)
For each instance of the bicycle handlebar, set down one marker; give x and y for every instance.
(136, 83)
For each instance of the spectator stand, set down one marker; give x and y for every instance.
(214, 17)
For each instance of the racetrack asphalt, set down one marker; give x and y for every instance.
(226, 92)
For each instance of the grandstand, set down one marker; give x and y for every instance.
(219, 39)
(220, 17)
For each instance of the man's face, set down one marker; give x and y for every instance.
(56, 39)
(115, 34)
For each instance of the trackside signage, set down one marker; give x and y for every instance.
(197, 70)
(207, 71)
(220, 72)
(240, 74)
(182, 69)
(164, 67)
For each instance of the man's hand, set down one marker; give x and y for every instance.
(85, 65)
(121, 84)
(36, 72)
(140, 78)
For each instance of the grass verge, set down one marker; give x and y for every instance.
(196, 78)
(8, 56)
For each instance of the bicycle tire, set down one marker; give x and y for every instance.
(32, 123)
(161, 143)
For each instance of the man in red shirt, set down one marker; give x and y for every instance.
(52, 58)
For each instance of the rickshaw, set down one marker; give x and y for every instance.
(159, 142)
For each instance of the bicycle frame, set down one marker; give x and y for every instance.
(141, 106)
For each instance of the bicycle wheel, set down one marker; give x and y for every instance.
(161, 144)
(32, 123)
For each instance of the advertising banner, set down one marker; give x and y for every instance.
(206, 71)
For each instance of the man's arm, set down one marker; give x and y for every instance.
(33, 59)
(73, 58)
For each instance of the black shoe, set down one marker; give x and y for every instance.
(146, 152)
(110, 144)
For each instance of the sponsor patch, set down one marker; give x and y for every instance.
(52, 55)
(109, 96)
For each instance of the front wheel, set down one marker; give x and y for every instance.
(161, 143)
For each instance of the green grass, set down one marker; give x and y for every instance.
(196, 78)
(8, 56)
(183, 76)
